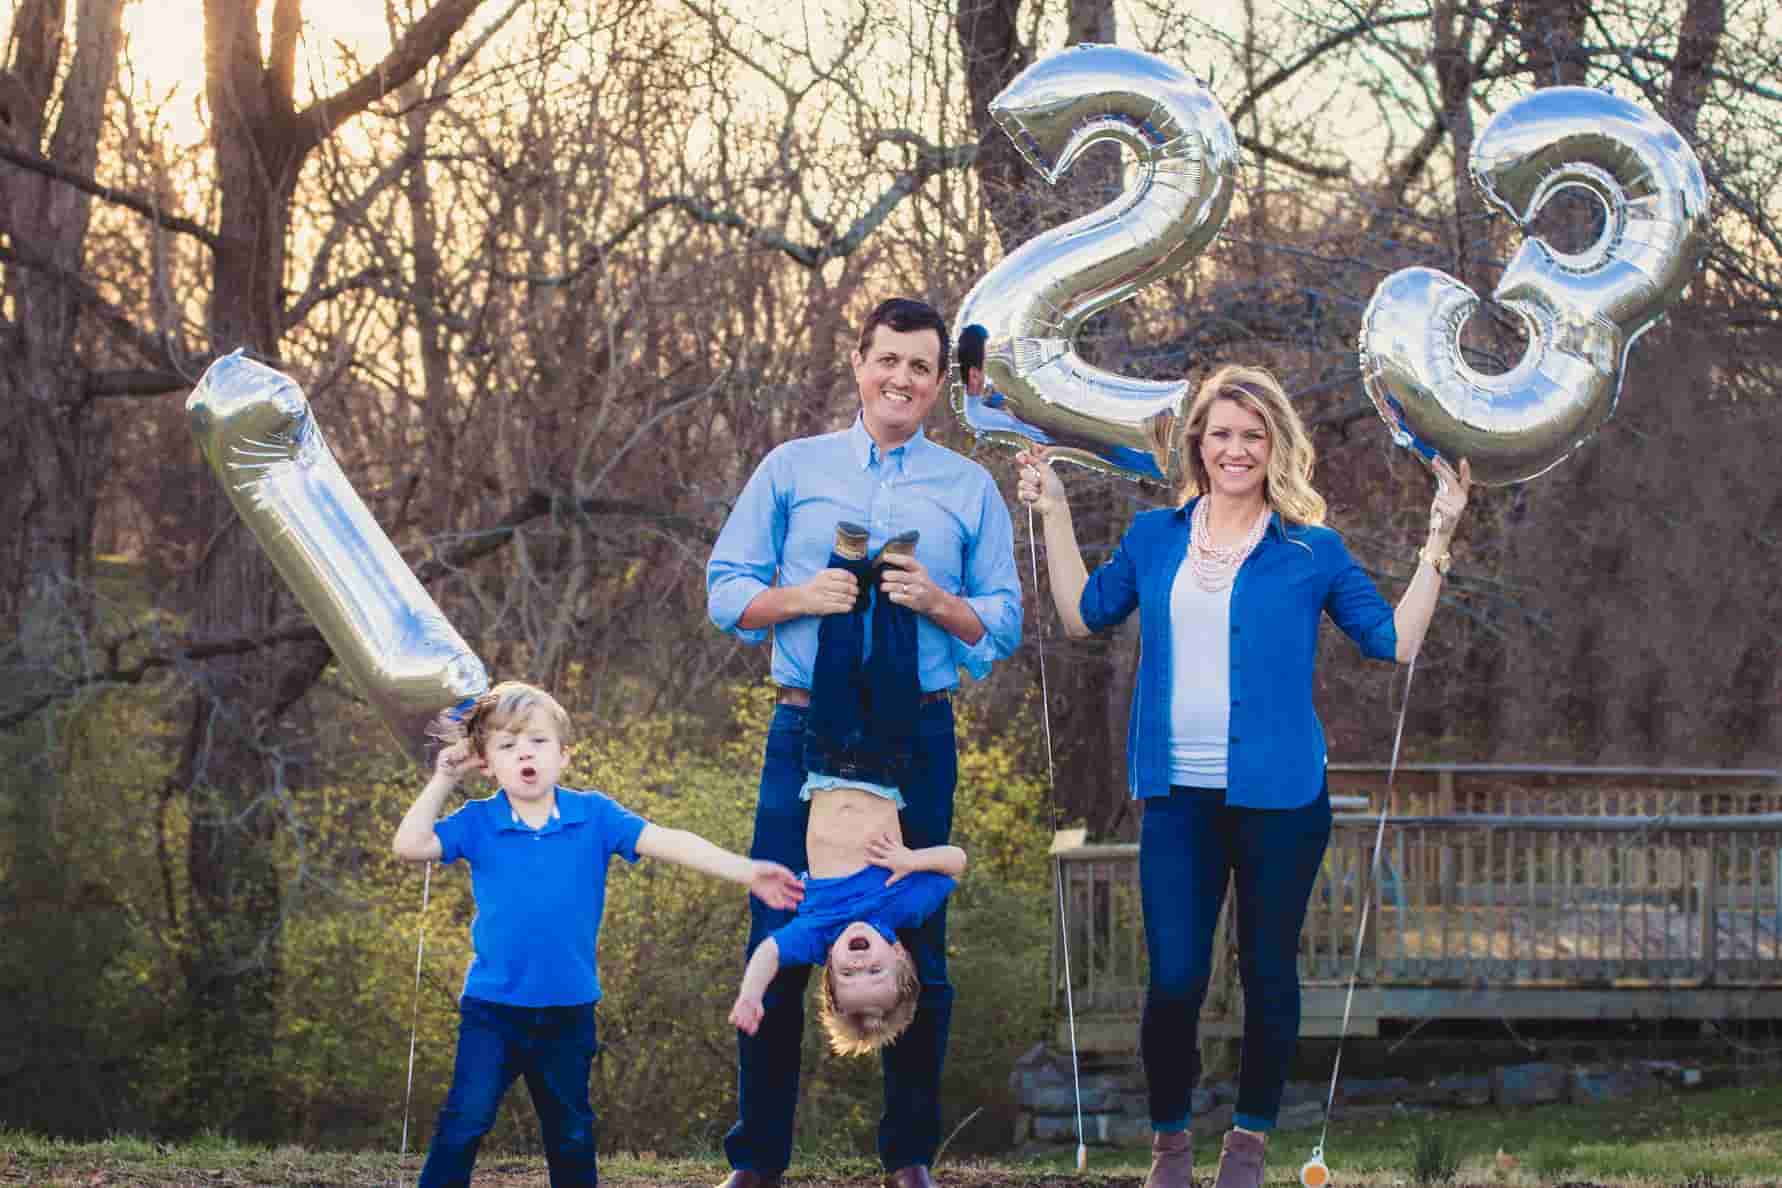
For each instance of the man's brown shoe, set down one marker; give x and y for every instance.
(742, 1177)
(914, 1176)
(1172, 1160)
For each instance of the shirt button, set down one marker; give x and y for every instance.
(1234, 738)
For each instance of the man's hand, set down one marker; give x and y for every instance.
(890, 853)
(831, 592)
(746, 1013)
(775, 886)
(908, 584)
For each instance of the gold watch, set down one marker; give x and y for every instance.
(1440, 560)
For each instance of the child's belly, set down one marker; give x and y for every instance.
(842, 821)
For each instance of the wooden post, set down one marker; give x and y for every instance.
(1710, 916)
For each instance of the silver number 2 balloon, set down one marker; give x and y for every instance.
(1032, 304)
(257, 432)
(1582, 311)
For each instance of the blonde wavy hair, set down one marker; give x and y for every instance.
(499, 708)
(1288, 484)
(860, 1033)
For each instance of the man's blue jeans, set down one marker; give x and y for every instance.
(1189, 842)
(553, 1048)
(767, 1062)
(864, 700)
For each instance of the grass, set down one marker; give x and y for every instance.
(1724, 1138)
(1714, 1139)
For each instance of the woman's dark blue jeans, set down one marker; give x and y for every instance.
(553, 1048)
(862, 718)
(1189, 842)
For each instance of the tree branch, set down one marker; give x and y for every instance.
(134, 382)
(1299, 165)
(142, 206)
(425, 40)
(1334, 41)
(930, 160)
(149, 345)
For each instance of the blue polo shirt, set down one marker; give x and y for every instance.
(539, 894)
(830, 905)
(1296, 575)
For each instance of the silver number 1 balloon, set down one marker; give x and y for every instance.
(257, 432)
(1032, 304)
(1582, 311)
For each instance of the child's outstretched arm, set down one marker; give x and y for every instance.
(890, 852)
(763, 965)
(415, 839)
(769, 882)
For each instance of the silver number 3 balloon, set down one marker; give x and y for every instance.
(1032, 304)
(257, 432)
(1582, 311)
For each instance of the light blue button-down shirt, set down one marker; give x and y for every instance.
(782, 531)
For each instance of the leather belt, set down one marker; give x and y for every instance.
(792, 695)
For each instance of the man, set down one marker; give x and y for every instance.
(770, 570)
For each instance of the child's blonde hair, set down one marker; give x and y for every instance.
(860, 1033)
(499, 708)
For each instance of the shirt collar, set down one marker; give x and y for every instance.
(866, 450)
(563, 812)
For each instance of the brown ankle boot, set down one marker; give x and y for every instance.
(1172, 1160)
(1241, 1160)
(850, 541)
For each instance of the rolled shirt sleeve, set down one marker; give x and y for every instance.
(991, 587)
(1111, 593)
(1355, 605)
(746, 557)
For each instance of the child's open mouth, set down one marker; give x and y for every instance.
(528, 772)
(858, 944)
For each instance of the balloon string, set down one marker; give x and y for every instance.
(1367, 901)
(1070, 1010)
(414, 1020)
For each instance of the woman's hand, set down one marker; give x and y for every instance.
(1040, 488)
(1451, 494)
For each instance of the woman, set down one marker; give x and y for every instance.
(1224, 747)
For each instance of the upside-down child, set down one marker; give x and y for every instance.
(538, 856)
(863, 883)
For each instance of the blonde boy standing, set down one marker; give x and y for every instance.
(538, 856)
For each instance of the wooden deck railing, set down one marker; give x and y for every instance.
(1531, 877)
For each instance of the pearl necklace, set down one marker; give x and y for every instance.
(1215, 568)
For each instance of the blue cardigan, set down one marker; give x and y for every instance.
(1276, 752)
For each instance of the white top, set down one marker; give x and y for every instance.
(1200, 682)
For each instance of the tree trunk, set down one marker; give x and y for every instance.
(235, 771)
(1091, 681)
(49, 433)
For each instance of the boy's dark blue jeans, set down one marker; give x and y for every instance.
(864, 700)
(767, 1062)
(1189, 841)
(553, 1048)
